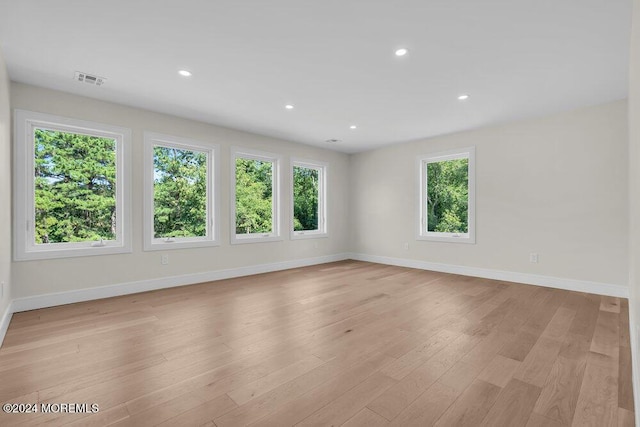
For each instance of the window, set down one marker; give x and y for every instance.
(255, 213)
(179, 203)
(447, 196)
(71, 187)
(308, 200)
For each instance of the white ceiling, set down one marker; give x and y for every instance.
(333, 60)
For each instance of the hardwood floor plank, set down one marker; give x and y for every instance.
(351, 343)
(471, 407)
(303, 405)
(537, 420)
(109, 417)
(625, 384)
(518, 348)
(536, 366)
(500, 371)
(626, 418)
(513, 406)
(427, 408)
(559, 395)
(262, 385)
(610, 304)
(293, 391)
(400, 396)
(598, 400)
(366, 418)
(586, 317)
(402, 366)
(203, 413)
(606, 336)
(346, 406)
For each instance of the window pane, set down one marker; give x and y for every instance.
(254, 196)
(306, 188)
(75, 187)
(179, 192)
(448, 196)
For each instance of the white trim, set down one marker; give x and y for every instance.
(321, 167)
(88, 294)
(276, 159)
(421, 220)
(24, 247)
(508, 276)
(152, 139)
(5, 320)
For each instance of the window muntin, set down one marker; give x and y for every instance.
(71, 187)
(255, 207)
(447, 196)
(179, 199)
(308, 199)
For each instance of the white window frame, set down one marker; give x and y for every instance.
(25, 248)
(276, 159)
(151, 243)
(423, 234)
(321, 167)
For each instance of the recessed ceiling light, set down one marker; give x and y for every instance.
(463, 97)
(184, 73)
(353, 127)
(289, 107)
(402, 52)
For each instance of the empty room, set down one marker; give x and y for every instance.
(357, 213)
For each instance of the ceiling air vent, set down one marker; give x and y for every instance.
(89, 78)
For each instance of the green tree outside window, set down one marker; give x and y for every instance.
(254, 196)
(306, 187)
(448, 196)
(75, 187)
(179, 192)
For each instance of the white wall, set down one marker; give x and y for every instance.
(634, 199)
(47, 276)
(5, 191)
(556, 186)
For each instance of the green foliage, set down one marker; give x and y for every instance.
(447, 196)
(75, 184)
(254, 194)
(305, 198)
(179, 193)
(75, 191)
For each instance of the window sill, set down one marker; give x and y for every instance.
(308, 235)
(35, 254)
(257, 238)
(448, 238)
(162, 245)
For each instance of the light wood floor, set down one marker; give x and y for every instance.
(347, 343)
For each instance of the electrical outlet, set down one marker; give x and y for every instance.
(406, 246)
(164, 260)
(533, 257)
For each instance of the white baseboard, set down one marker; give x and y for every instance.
(5, 320)
(88, 294)
(508, 276)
